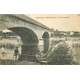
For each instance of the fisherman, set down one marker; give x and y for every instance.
(16, 53)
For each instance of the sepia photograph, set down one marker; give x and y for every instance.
(39, 39)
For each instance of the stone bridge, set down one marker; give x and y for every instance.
(30, 31)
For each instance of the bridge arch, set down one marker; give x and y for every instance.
(29, 39)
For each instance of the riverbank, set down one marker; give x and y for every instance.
(21, 62)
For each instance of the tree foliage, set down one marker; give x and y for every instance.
(60, 55)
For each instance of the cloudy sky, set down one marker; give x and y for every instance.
(64, 22)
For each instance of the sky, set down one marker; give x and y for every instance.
(62, 22)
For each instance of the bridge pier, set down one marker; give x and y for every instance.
(46, 41)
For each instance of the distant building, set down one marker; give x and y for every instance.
(9, 34)
(71, 33)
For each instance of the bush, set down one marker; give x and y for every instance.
(61, 54)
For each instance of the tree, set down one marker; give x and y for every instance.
(76, 33)
(57, 33)
(60, 55)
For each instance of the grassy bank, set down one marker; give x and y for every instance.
(23, 62)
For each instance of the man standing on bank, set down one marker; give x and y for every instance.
(16, 53)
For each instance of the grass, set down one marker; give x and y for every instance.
(7, 62)
(23, 62)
